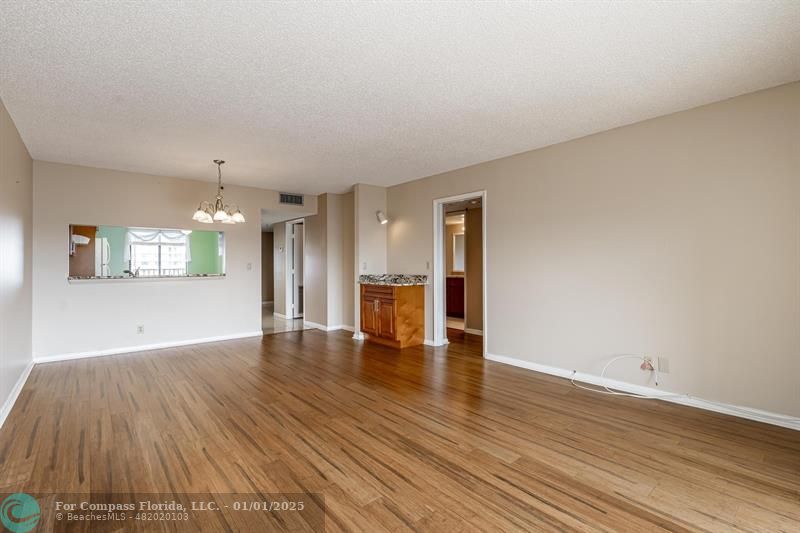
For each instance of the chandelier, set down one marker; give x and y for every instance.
(218, 210)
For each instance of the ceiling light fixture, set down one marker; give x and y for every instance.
(381, 217)
(218, 211)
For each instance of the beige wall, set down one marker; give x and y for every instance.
(676, 237)
(473, 259)
(97, 316)
(16, 212)
(267, 267)
(370, 241)
(279, 263)
(315, 281)
(348, 273)
(329, 253)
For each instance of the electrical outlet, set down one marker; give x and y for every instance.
(364, 266)
(663, 365)
(140, 329)
(427, 265)
(249, 266)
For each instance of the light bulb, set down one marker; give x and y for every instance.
(238, 217)
(199, 215)
(221, 216)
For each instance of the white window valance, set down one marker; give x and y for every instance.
(156, 236)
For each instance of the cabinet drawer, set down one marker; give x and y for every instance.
(378, 291)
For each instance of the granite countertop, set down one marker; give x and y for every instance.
(393, 279)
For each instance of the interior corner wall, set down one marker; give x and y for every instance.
(75, 318)
(315, 264)
(676, 237)
(329, 262)
(333, 260)
(347, 275)
(267, 267)
(16, 223)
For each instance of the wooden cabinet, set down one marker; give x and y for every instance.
(393, 315)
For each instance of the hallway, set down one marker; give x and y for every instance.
(271, 324)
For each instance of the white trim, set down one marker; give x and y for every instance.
(144, 279)
(473, 331)
(322, 327)
(358, 335)
(143, 347)
(439, 318)
(280, 315)
(690, 401)
(14, 394)
(430, 342)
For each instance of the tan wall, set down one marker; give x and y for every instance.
(329, 256)
(171, 311)
(16, 222)
(370, 241)
(473, 260)
(677, 236)
(348, 259)
(279, 262)
(267, 267)
(315, 280)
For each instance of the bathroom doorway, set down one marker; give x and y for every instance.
(459, 279)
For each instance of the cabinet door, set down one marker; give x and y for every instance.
(386, 315)
(368, 317)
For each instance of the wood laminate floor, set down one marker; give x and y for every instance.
(424, 439)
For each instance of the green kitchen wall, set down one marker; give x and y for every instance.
(116, 241)
(205, 253)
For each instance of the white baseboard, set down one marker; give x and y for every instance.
(358, 336)
(143, 347)
(430, 342)
(473, 331)
(14, 393)
(322, 327)
(718, 407)
(280, 315)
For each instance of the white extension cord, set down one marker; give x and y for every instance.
(645, 359)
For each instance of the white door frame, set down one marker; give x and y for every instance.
(439, 308)
(289, 276)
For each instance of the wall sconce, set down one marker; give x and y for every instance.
(381, 217)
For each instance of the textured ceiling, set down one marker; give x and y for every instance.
(313, 97)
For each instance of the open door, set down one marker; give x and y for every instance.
(295, 240)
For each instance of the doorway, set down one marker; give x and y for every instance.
(459, 279)
(282, 264)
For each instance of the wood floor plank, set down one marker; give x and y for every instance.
(427, 439)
